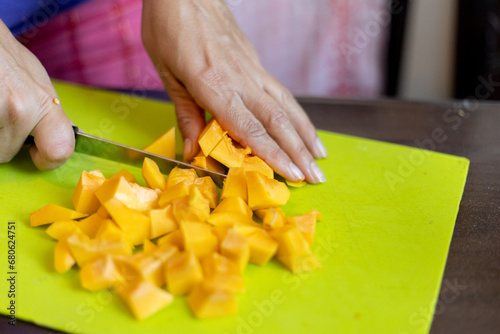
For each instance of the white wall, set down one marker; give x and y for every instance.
(427, 71)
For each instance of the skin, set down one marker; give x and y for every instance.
(205, 63)
(27, 107)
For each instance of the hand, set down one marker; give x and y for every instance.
(27, 107)
(206, 63)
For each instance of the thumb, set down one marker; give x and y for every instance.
(191, 120)
(54, 138)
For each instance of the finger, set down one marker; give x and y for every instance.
(54, 138)
(297, 117)
(190, 117)
(248, 131)
(279, 127)
(191, 121)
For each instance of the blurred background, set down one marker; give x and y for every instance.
(421, 49)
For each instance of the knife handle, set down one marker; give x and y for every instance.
(30, 140)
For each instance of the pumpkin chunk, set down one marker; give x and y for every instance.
(84, 199)
(164, 145)
(254, 163)
(53, 213)
(207, 300)
(152, 175)
(210, 136)
(228, 153)
(235, 184)
(145, 299)
(183, 272)
(265, 193)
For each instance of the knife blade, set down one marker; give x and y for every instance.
(107, 149)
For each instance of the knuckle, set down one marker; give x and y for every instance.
(301, 151)
(278, 118)
(254, 129)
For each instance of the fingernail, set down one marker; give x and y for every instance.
(295, 172)
(188, 146)
(320, 149)
(317, 173)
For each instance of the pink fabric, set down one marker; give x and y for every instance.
(315, 47)
(301, 43)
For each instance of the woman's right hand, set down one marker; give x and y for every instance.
(27, 106)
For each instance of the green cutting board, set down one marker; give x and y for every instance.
(389, 213)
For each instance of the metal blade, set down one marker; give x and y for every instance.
(102, 148)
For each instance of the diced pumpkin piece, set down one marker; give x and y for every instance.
(83, 249)
(306, 224)
(145, 299)
(135, 224)
(165, 252)
(63, 229)
(223, 272)
(162, 222)
(100, 274)
(125, 264)
(90, 225)
(208, 163)
(109, 229)
(115, 245)
(217, 264)
(228, 219)
(207, 300)
(149, 267)
(178, 175)
(300, 263)
(265, 193)
(208, 189)
(164, 145)
(228, 153)
(84, 199)
(131, 195)
(102, 212)
(198, 237)
(254, 163)
(235, 184)
(179, 190)
(124, 173)
(271, 218)
(296, 184)
(174, 238)
(316, 213)
(246, 227)
(235, 246)
(210, 136)
(234, 204)
(63, 259)
(262, 247)
(149, 247)
(53, 213)
(152, 175)
(183, 272)
(194, 208)
(290, 241)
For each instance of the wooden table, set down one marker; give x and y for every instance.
(469, 301)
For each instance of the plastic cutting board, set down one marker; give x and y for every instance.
(383, 242)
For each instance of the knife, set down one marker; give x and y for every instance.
(106, 149)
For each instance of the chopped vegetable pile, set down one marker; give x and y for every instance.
(196, 240)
